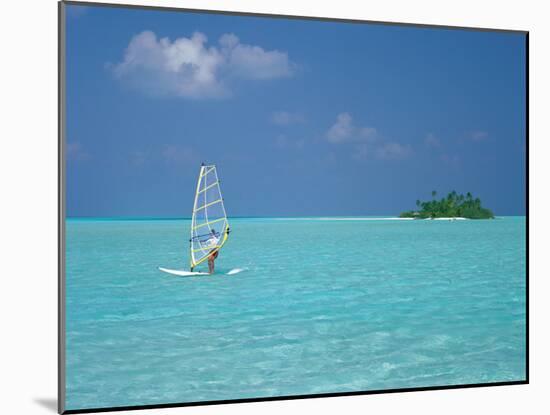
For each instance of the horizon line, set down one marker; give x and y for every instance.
(131, 217)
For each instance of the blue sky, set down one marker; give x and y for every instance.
(301, 117)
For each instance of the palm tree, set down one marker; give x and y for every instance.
(452, 205)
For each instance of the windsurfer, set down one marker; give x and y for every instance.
(211, 258)
(213, 241)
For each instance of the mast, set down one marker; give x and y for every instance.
(193, 215)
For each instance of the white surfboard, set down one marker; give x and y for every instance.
(182, 273)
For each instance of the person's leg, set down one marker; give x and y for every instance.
(210, 266)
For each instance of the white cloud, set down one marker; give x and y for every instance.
(393, 151)
(367, 141)
(190, 68)
(286, 118)
(344, 130)
(253, 62)
(432, 141)
(479, 135)
(368, 134)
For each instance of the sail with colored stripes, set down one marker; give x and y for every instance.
(209, 225)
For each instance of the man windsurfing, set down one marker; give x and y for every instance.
(212, 241)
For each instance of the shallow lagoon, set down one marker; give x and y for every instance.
(324, 306)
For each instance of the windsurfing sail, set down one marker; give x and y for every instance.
(209, 225)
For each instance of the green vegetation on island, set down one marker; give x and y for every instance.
(453, 206)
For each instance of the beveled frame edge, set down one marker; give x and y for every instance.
(61, 193)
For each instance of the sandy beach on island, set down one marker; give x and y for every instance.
(362, 219)
(458, 218)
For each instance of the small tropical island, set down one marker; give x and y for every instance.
(453, 206)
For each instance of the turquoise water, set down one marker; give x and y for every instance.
(324, 306)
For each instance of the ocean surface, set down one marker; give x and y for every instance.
(324, 305)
